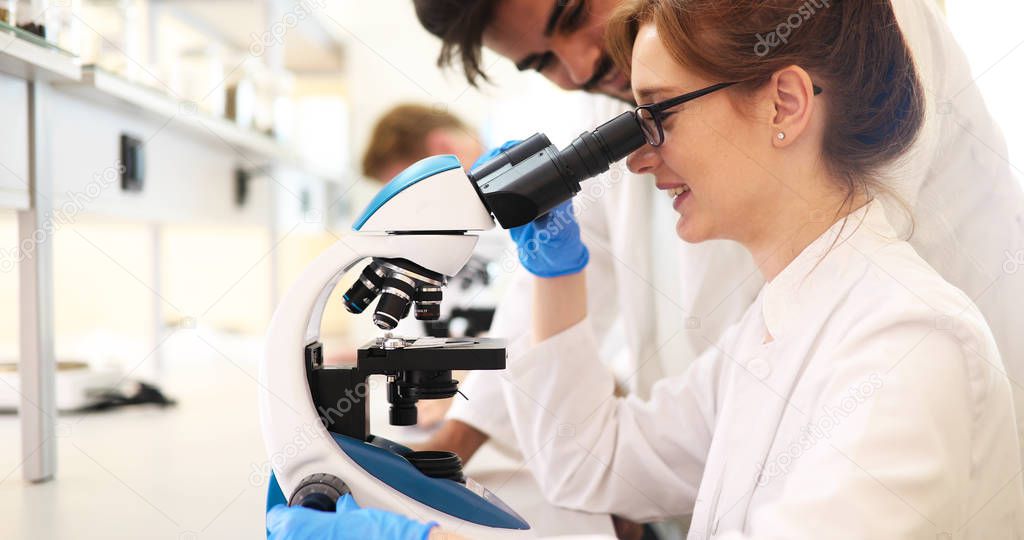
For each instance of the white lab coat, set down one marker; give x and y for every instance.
(880, 409)
(659, 302)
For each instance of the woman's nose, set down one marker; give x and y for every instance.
(644, 160)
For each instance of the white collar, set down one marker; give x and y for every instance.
(833, 258)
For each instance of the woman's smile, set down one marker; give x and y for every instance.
(677, 192)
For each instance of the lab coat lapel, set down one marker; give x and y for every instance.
(759, 402)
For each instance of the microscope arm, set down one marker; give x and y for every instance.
(284, 414)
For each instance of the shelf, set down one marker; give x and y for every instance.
(111, 90)
(311, 41)
(29, 57)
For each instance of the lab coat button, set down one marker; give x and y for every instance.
(759, 368)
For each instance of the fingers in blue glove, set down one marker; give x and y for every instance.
(346, 504)
(348, 522)
(552, 245)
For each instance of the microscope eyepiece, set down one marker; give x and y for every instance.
(529, 180)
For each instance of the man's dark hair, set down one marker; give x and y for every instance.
(460, 24)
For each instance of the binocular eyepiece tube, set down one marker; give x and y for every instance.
(529, 180)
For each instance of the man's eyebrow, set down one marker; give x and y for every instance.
(556, 13)
(529, 62)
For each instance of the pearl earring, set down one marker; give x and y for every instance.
(782, 136)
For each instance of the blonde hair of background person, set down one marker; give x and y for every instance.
(410, 132)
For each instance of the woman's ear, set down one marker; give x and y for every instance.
(792, 93)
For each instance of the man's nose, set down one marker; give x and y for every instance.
(578, 56)
(643, 161)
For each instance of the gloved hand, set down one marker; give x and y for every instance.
(551, 245)
(348, 522)
(493, 153)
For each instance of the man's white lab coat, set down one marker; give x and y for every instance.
(662, 302)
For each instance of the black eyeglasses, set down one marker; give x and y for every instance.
(651, 117)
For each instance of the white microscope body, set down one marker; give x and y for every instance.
(426, 218)
(417, 232)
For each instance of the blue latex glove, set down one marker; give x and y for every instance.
(493, 153)
(551, 245)
(348, 522)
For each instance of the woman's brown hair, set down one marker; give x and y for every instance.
(851, 48)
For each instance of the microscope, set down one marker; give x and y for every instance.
(416, 233)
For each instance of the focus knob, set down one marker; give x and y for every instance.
(319, 492)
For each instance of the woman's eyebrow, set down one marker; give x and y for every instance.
(649, 94)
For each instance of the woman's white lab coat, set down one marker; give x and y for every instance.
(880, 409)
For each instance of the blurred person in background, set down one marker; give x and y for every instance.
(410, 132)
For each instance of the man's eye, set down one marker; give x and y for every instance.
(574, 17)
(543, 63)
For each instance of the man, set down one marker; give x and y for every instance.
(668, 302)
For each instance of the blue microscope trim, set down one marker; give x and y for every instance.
(420, 170)
(446, 496)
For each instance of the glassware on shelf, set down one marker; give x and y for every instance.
(31, 15)
(283, 106)
(241, 99)
(202, 77)
(115, 41)
(9, 12)
(65, 17)
(263, 116)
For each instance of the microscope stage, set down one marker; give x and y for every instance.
(431, 354)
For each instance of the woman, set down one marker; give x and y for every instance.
(810, 418)
(768, 124)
